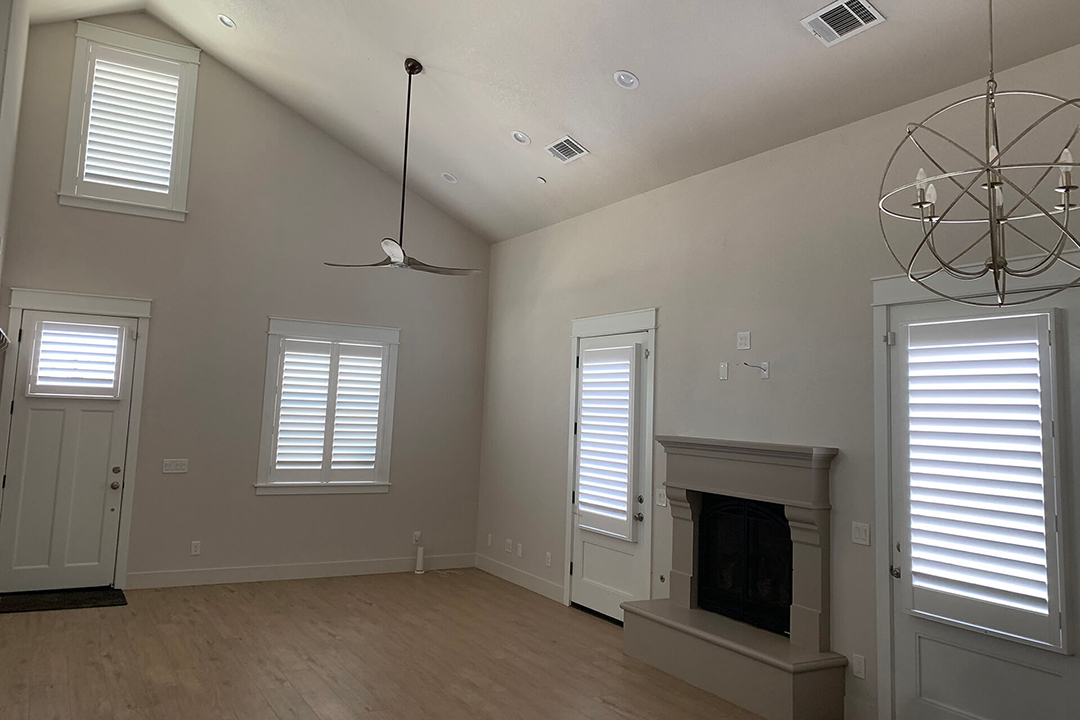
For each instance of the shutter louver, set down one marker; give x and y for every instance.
(605, 441)
(977, 397)
(77, 359)
(305, 389)
(356, 414)
(131, 127)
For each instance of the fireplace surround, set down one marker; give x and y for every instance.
(782, 677)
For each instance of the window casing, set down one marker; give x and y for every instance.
(129, 124)
(981, 476)
(328, 408)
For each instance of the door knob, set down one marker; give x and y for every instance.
(115, 485)
(639, 517)
(116, 470)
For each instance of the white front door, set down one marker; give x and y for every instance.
(979, 580)
(611, 548)
(60, 507)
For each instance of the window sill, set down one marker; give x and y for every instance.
(119, 206)
(322, 489)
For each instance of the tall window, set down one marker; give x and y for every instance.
(982, 475)
(129, 124)
(329, 408)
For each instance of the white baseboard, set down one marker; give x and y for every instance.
(859, 710)
(297, 571)
(519, 577)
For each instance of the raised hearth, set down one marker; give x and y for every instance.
(792, 677)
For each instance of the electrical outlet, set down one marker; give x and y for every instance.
(858, 666)
(509, 545)
(489, 539)
(519, 549)
(661, 498)
(742, 341)
(860, 533)
(723, 371)
(174, 467)
(416, 538)
(547, 559)
(196, 547)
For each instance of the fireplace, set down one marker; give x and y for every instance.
(748, 615)
(744, 561)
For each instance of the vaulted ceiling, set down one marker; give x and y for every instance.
(720, 80)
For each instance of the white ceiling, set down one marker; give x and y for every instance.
(720, 80)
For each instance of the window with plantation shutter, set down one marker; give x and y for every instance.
(76, 359)
(130, 123)
(329, 406)
(982, 475)
(606, 429)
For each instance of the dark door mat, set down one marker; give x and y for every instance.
(61, 599)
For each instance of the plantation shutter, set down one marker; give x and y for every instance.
(132, 123)
(302, 405)
(77, 359)
(982, 473)
(356, 414)
(606, 448)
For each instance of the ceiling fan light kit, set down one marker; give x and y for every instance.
(998, 214)
(396, 257)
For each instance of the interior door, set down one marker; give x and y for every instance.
(972, 549)
(611, 555)
(60, 508)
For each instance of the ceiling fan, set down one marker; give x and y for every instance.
(395, 252)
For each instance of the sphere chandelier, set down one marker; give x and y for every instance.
(996, 218)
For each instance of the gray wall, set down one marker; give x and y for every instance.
(270, 198)
(784, 245)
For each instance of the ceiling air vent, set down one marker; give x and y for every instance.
(566, 150)
(841, 20)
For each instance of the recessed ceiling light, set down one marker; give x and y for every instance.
(626, 80)
(227, 21)
(450, 178)
(521, 137)
(541, 180)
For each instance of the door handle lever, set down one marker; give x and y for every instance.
(639, 517)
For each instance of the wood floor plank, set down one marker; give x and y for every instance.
(459, 645)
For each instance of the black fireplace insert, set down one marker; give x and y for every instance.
(744, 561)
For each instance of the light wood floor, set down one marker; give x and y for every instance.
(380, 647)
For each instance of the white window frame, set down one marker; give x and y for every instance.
(377, 481)
(93, 40)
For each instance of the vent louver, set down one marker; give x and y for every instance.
(566, 150)
(841, 20)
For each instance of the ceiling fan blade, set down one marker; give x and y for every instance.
(382, 263)
(414, 264)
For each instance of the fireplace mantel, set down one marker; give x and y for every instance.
(747, 665)
(790, 475)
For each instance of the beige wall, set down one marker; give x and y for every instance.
(784, 245)
(270, 198)
(16, 28)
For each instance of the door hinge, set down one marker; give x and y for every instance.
(889, 338)
(571, 567)
(12, 411)
(573, 497)
(20, 335)
(575, 427)
(577, 363)
(4, 483)
(894, 571)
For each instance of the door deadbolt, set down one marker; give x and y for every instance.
(116, 470)
(640, 499)
(115, 485)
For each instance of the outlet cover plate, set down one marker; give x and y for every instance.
(174, 466)
(742, 341)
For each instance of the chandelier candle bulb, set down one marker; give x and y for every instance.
(1066, 173)
(931, 194)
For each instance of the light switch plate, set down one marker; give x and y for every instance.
(661, 498)
(723, 371)
(519, 549)
(860, 533)
(547, 559)
(174, 467)
(742, 341)
(858, 666)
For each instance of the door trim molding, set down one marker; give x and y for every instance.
(51, 301)
(600, 326)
